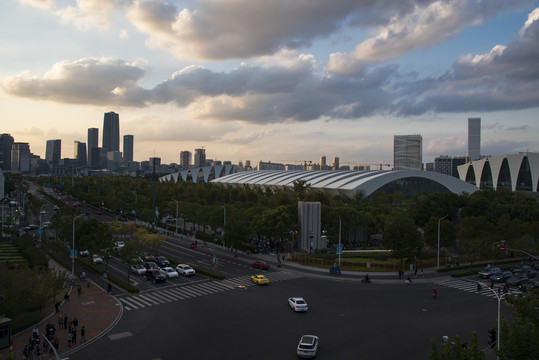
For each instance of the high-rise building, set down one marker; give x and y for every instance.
(128, 148)
(185, 159)
(111, 131)
(53, 151)
(474, 138)
(6, 143)
(336, 165)
(407, 152)
(93, 142)
(200, 157)
(323, 163)
(20, 157)
(80, 153)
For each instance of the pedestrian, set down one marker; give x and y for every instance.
(60, 321)
(65, 321)
(415, 273)
(82, 334)
(74, 337)
(70, 324)
(79, 290)
(75, 323)
(421, 274)
(492, 284)
(69, 337)
(25, 352)
(38, 353)
(88, 282)
(84, 275)
(57, 306)
(479, 287)
(109, 288)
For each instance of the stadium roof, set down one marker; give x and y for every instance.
(349, 183)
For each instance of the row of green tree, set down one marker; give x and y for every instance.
(469, 224)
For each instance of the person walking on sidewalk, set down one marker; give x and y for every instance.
(69, 338)
(60, 321)
(74, 336)
(88, 282)
(82, 335)
(79, 290)
(109, 289)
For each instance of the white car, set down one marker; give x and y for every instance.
(298, 304)
(84, 253)
(96, 259)
(185, 270)
(138, 269)
(169, 272)
(118, 245)
(308, 346)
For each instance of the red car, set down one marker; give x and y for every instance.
(260, 265)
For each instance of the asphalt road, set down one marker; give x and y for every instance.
(353, 320)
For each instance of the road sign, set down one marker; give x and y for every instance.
(502, 248)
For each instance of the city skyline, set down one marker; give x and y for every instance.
(281, 81)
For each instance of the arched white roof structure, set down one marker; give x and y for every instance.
(208, 172)
(346, 183)
(514, 171)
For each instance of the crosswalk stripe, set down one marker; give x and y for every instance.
(177, 293)
(148, 298)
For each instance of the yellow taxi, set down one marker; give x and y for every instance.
(260, 279)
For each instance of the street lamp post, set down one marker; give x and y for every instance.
(176, 217)
(73, 248)
(41, 212)
(3, 217)
(340, 241)
(438, 257)
(224, 218)
(499, 297)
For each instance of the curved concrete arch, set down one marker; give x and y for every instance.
(217, 171)
(346, 183)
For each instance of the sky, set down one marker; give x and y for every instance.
(272, 80)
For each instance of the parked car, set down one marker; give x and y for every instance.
(516, 280)
(307, 346)
(148, 258)
(517, 268)
(169, 272)
(487, 272)
(259, 264)
(298, 304)
(161, 261)
(530, 273)
(185, 270)
(260, 279)
(156, 276)
(118, 245)
(96, 259)
(138, 269)
(529, 285)
(501, 276)
(150, 265)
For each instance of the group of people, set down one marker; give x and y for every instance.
(33, 350)
(71, 325)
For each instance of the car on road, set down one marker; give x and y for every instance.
(84, 253)
(529, 285)
(138, 269)
(530, 273)
(118, 245)
(521, 267)
(169, 272)
(487, 272)
(516, 280)
(259, 264)
(46, 224)
(148, 258)
(501, 276)
(298, 304)
(308, 346)
(260, 279)
(156, 276)
(96, 259)
(150, 265)
(162, 261)
(185, 270)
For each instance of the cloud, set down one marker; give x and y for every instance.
(518, 127)
(89, 14)
(424, 25)
(97, 81)
(42, 4)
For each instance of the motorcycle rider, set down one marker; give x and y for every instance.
(434, 293)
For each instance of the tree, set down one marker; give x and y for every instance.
(300, 188)
(129, 254)
(454, 349)
(152, 241)
(401, 235)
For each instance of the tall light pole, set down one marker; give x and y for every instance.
(499, 297)
(3, 219)
(73, 248)
(340, 241)
(41, 212)
(438, 261)
(224, 219)
(176, 217)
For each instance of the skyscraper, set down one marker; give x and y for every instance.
(474, 138)
(53, 151)
(200, 157)
(93, 143)
(323, 163)
(111, 131)
(128, 148)
(6, 142)
(80, 152)
(185, 159)
(20, 157)
(407, 152)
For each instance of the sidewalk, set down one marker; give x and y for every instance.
(97, 311)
